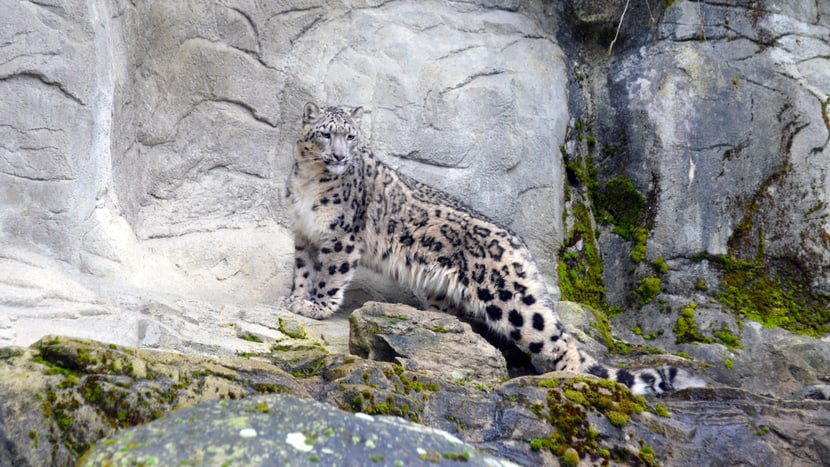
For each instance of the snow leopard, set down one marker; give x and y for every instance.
(351, 210)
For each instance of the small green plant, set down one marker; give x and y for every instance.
(685, 330)
(617, 419)
(619, 203)
(701, 286)
(647, 455)
(660, 265)
(570, 457)
(648, 289)
(661, 411)
(638, 253)
(650, 336)
(728, 364)
(728, 339)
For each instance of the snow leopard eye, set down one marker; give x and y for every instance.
(326, 135)
(351, 137)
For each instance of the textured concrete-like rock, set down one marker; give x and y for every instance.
(61, 395)
(717, 112)
(283, 430)
(151, 147)
(143, 149)
(424, 341)
(741, 129)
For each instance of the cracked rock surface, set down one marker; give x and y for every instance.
(144, 148)
(147, 144)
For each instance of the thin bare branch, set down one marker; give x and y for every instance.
(611, 47)
(651, 19)
(702, 23)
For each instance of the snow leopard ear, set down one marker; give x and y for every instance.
(356, 113)
(310, 113)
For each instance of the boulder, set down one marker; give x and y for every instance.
(63, 394)
(60, 395)
(424, 341)
(283, 430)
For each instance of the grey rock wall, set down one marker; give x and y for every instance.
(149, 142)
(737, 123)
(718, 114)
(143, 149)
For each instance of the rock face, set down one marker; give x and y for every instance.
(718, 116)
(285, 430)
(153, 148)
(683, 178)
(424, 341)
(62, 394)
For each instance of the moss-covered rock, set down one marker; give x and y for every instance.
(282, 430)
(66, 393)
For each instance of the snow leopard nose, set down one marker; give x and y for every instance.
(339, 148)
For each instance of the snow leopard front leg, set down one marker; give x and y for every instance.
(318, 291)
(305, 259)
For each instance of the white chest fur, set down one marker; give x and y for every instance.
(312, 209)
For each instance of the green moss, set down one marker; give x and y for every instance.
(761, 431)
(580, 272)
(569, 458)
(701, 286)
(550, 383)
(660, 265)
(54, 368)
(567, 409)
(603, 326)
(685, 330)
(661, 411)
(728, 364)
(310, 368)
(774, 291)
(621, 204)
(463, 456)
(64, 421)
(262, 407)
(751, 290)
(576, 396)
(638, 330)
(648, 289)
(646, 455)
(251, 338)
(617, 419)
(728, 339)
(638, 253)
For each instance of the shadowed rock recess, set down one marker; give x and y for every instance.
(674, 193)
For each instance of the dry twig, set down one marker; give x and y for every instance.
(611, 47)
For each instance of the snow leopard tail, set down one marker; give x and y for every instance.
(646, 381)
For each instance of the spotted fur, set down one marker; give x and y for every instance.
(351, 210)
